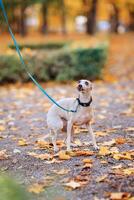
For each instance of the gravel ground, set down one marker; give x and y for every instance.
(23, 115)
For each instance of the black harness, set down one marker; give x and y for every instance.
(84, 104)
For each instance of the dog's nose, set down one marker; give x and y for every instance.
(79, 87)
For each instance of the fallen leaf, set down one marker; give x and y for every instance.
(63, 155)
(60, 143)
(83, 180)
(2, 128)
(43, 144)
(128, 171)
(117, 166)
(100, 133)
(119, 195)
(104, 151)
(73, 184)
(3, 155)
(45, 156)
(87, 160)
(80, 129)
(87, 165)
(103, 162)
(130, 129)
(22, 142)
(84, 153)
(123, 155)
(36, 188)
(120, 140)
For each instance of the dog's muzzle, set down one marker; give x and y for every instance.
(80, 88)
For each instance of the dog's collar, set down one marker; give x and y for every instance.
(85, 104)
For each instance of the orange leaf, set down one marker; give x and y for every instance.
(119, 195)
(120, 140)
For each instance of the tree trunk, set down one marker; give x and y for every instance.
(23, 29)
(114, 19)
(131, 23)
(44, 28)
(63, 17)
(91, 18)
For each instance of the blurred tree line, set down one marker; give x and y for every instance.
(17, 14)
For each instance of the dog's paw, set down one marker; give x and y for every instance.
(56, 149)
(74, 145)
(96, 148)
(68, 149)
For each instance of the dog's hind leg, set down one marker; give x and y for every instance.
(69, 129)
(54, 137)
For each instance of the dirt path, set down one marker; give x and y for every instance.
(23, 115)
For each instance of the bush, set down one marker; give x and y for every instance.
(50, 45)
(10, 190)
(61, 65)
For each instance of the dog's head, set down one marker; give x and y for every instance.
(84, 86)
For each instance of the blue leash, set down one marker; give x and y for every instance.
(23, 63)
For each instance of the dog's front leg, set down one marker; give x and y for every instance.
(92, 136)
(69, 129)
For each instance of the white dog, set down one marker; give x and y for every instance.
(57, 118)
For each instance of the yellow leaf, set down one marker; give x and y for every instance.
(63, 155)
(72, 184)
(123, 155)
(87, 160)
(36, 188)
(22, 142)
(128, 171)
(2, 128)
(100, 133)
(104, 151)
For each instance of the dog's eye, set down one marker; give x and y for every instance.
(86, 83)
